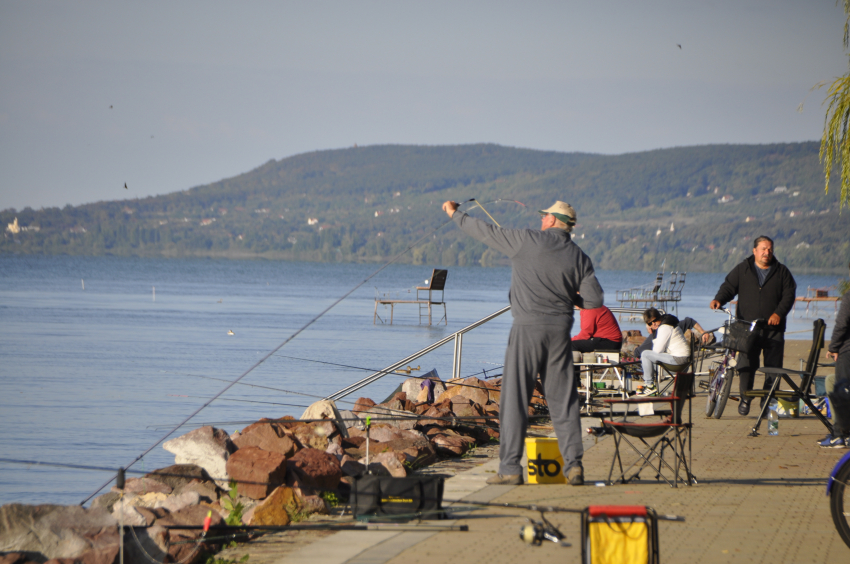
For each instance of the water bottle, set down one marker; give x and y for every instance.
(772, 418)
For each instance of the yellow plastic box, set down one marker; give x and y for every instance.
(545, 465)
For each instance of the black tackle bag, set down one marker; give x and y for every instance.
(414, 497)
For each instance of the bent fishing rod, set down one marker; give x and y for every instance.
(283, 344)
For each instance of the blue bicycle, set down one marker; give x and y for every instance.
(839, 493)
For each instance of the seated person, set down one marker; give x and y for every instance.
(669, 346)
(599, 331)
(686, 324)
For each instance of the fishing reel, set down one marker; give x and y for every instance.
(535, 532)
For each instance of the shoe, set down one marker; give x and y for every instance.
(649, 390)
(505, 480)
(575, 477)
(744, 408)
(826, 438)
(834, 442)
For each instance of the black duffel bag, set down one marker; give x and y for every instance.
(414, 497)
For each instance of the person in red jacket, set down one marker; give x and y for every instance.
(599, 331)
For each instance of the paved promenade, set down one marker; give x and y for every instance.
(759, 499)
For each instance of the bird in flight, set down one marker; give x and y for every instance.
(125, 186)
(679, 45)
(110, 106)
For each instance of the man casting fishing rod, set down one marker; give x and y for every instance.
(548, 272)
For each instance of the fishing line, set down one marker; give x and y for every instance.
(390, 372)
(241, 400)
(277, 348)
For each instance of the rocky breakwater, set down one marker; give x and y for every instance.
(273, 472)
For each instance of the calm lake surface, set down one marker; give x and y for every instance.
(101, 357)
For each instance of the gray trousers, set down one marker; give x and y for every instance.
(543, 350)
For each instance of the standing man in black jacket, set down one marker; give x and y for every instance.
(766, 290)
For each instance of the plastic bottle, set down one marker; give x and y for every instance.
(772, 418)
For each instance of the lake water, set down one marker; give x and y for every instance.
(100, 357)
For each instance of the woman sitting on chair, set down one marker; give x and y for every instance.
(669, 346)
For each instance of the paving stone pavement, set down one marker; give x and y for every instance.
(758, 499)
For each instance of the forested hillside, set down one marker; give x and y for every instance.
(698, 207)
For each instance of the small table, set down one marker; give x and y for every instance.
(617, 368)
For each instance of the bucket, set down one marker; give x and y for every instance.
(545, 465)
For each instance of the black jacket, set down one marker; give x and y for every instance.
(759, 302)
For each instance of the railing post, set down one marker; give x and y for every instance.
(457, 355)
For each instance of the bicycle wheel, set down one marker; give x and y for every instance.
(714, 386)
(724, 394)
(838, 502)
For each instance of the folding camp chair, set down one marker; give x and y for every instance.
(671, 433)
(801, 392)
(674, 369)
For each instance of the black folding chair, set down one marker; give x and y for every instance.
(670, 433)
(801, 392)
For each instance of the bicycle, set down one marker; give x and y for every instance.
(838, 492)
(738, 335)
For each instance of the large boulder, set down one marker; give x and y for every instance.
(277, 509)
(180, 547)
(267, 436)
(393, 413)
(476, 390)
(56, 531)
(438, 416)
(206, 447)
(383, 433)
(351, 420)
(390, 461)
(417, 451)
(315, 435)
(316, 469)
(452, 389)
(452, 445)
(325, 409)
(174, 503)
(106, 555)
(144, 485)
(257, 472)
(177, 476)
(351, 467)
(363, 404)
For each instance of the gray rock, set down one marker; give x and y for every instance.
(351, 419)
(55, 531)
(174, 503)
(206, 447)
(127, 514)
(106, 501)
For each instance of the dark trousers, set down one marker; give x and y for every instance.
(545, 351)
(596, 344)
(770, 345)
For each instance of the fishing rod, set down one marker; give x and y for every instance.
(280, 346)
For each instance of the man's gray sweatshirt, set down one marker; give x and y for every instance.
(548, 270)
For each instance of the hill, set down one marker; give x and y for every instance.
(699, 207)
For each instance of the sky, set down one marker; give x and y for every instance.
(166, 96)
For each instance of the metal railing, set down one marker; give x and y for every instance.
(457, 337)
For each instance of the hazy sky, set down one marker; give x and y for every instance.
(169, 95)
